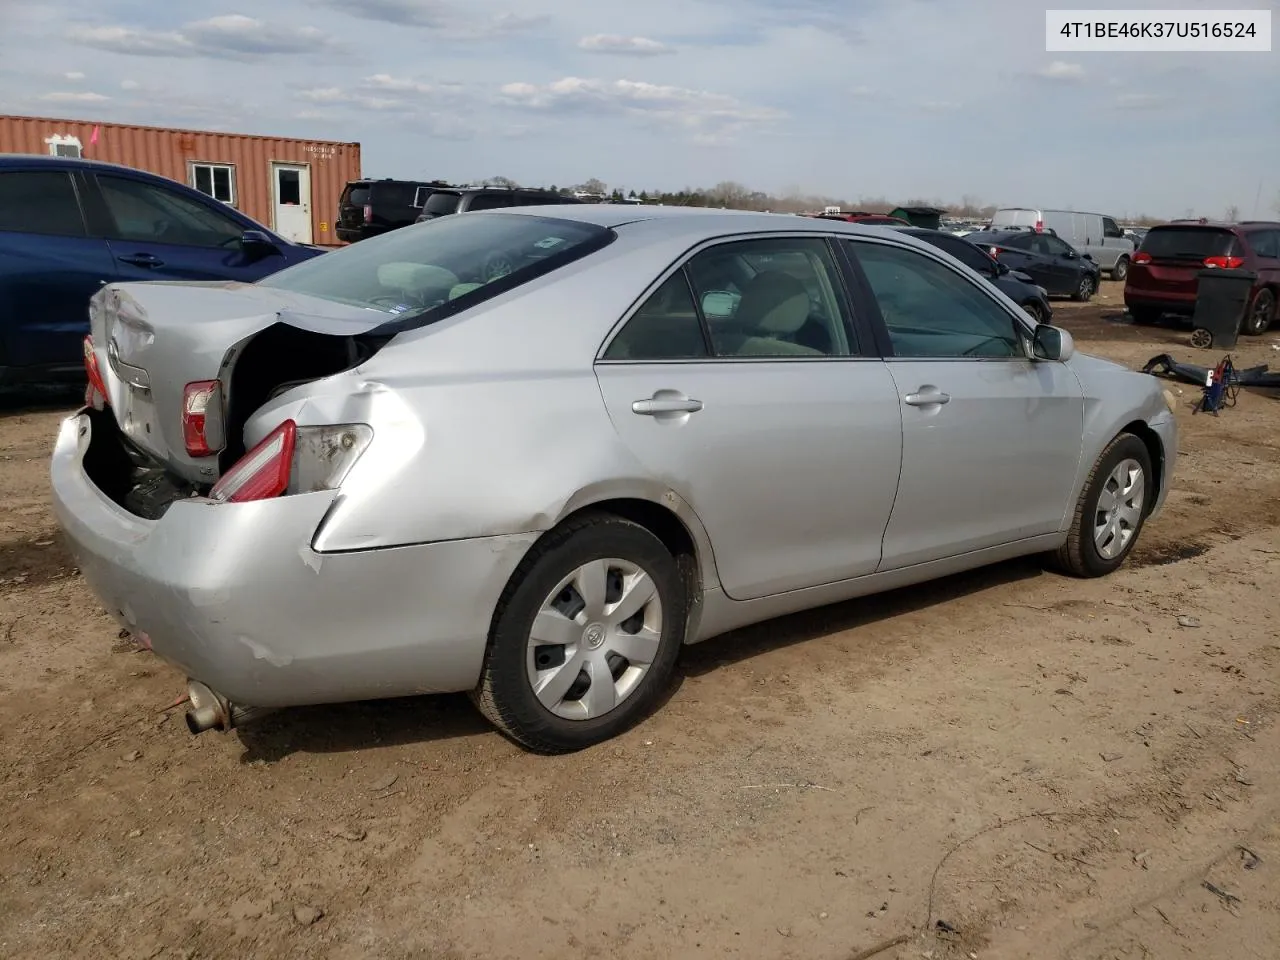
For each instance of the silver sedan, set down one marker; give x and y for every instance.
(530, 454)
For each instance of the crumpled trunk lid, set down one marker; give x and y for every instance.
(152, 339)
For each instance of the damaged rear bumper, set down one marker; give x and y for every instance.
(234, 595)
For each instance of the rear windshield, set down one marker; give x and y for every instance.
(435, 270)
(1189, 243)
(441, 204)
(357, 195)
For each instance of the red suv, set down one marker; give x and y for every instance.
(1163, 274)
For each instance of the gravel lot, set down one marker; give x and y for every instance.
(1004, 764)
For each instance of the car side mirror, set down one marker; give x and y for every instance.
(1071, 255)
(257, 243)
(1001, 268)
(1087, 256)
(1052, 343)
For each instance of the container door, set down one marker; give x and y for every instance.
(291, 210)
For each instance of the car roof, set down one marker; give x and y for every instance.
(705, 222)
(1244, 225)
(41, 160)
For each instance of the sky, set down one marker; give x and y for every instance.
(901, 99)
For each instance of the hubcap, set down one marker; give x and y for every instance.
(1119, 509)
(594, 638)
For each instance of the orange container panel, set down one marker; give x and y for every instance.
(175, 153)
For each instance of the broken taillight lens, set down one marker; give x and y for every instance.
(368, 213)
(293, 459)
(95, 394)
(202, 421)
(263, 472)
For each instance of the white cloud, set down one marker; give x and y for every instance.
(939, 106)
(625, 46)
(233, 36)
(73, 96)
(861, 91)
(455, 20)
(1062, 70)
(74, 75)
(707, 116)
(129, 84)
(1139, 101)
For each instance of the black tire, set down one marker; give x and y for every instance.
(1145, 316)
(504, 694)
(1085, 288)
(1261, 313)
(1121, 269)
(1079, 555)
(1035, 310)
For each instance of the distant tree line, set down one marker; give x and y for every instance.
(740, 197)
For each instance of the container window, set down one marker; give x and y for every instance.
(217, 180)
(64, 146)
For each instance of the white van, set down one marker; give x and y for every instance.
(1096, 234)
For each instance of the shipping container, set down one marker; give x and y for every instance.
(290, 185)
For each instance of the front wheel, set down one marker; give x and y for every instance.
(1111, 510)
(1121, 269)
(1261, 314)
(585, 637)
(1085, 289)
(1035, 310)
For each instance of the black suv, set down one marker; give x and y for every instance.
(461, 199)
(370, 207)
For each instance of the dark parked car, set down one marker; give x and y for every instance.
(441, 203)
(868, 219)
(1049, 260)
(1019, 287)
(370, 207)
(1164, 276)
(69, 226)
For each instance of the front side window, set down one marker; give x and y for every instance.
(1266, 243)
(1019, 241)
(965, 252)
(1053, 247)
(489, 201)
(1110, 228)
(441, 204)
(932, 311)
(775, 297)
(42, 202)
(147, 213)
(217, 180)
(414, 275)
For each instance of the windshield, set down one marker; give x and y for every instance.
(1188, 243)
(357, 196)
(441, 204)
(419, 274)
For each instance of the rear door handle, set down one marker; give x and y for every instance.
(656, 406)
(926, 397)
(143, 260)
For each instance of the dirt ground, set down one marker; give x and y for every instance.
(1005, 764)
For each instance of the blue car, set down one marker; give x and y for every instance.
(68, 226)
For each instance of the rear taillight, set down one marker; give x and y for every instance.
(293, 459)
(368, 213)
(1141, 257)
(263, 472)
(1225, 263)
(995, 252)
(203, 433)
(1039, 226)
(95, 394)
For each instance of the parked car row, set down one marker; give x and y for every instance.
(712, 418)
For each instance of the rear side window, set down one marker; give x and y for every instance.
(490, 201)
(1190, 243)
(357, 196)
(42, 202)
(394, 194)
(1265, 243)
(965, 252)
(419, 276)
(441, 204)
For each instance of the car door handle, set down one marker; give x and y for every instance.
(926, 397)
(143, 260)
(656, 406)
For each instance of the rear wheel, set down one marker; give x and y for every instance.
(1111, 510)
(1261, 314)
(1121, 269)
(585, 637)
(1086, 288)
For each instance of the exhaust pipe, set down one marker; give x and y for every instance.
(212, 711)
